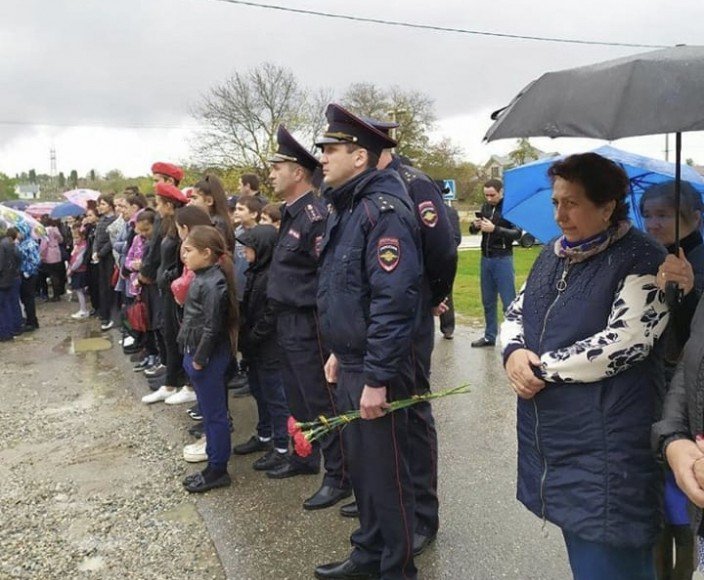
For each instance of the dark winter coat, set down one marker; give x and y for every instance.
(101, 244)
(9, 262)
(370, 275)
(257, 337)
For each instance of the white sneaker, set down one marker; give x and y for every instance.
(161, 394)
(128, 341)
(195, 452)
(185, 395)
(80, 315)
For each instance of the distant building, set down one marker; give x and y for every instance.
(27, 191)
(497, 164)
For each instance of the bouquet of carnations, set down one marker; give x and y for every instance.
(304, 433)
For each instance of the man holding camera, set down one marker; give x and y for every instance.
(497, 274)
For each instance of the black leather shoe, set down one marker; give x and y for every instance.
(271, 460)
(325, 497)
(132, 349)
(346, 569)
(482, 342)
(252, 445)
(290, 469)
(349, 510)
(198, 483)
(421, 542)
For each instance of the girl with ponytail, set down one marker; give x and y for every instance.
(208, 339)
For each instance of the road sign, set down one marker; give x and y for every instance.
(450, 189)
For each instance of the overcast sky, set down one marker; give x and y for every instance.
(109, 83)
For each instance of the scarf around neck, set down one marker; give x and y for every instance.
(579, 251)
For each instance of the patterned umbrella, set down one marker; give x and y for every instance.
(42, 208)
(81, 196)
(13, 218)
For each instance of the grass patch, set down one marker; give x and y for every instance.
(467, 292)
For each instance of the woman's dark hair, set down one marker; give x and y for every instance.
(602, 179)
(192, 216)
(211, 186)
(168, 223)
(207, 237)
(690, 199)
(108, 198)
(92, 209)
(273, 210)
(12, 233)
(146, 215)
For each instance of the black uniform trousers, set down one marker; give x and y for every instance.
(28, 289)
(107, 292)
(308, 394)
(422, 435)
(170, 323)
(447, 320)
(378, 452)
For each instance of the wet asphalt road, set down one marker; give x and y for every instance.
(261, 531)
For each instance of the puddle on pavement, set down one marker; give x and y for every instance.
(86, 341)
(90, 345)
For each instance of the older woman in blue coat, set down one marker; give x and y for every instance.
(578, 347)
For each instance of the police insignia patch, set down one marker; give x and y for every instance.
(388, 253)
(428, 213)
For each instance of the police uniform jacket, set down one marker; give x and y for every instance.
(293, 274)
(370, 275)
(439, 249)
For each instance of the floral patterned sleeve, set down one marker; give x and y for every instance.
(511, 335)
(638, 317)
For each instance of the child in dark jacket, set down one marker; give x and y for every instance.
(208, 339)
(258, 345)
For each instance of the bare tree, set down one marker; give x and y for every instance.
(411, 109)
(241, 116)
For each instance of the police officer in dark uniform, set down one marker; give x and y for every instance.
(368, 296)
(292, 286)
(439, 268)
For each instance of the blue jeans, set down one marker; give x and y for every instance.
(595, 561)
(268, 390)
(497, 279)
(209, 384)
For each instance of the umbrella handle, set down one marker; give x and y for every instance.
(673, 294)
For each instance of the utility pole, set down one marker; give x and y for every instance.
(392, 133)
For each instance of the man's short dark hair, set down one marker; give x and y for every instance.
(495, 183)
(372, 157)
(250, 179)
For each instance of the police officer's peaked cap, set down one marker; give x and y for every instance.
(383, 126)
(344, 127)
(291, 150)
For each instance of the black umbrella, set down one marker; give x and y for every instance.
(644, 94)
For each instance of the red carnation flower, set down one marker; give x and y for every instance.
(301, 445)
(293, 427)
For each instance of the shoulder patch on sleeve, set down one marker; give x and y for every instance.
(313, 213)
(388, 253)
(428, 213)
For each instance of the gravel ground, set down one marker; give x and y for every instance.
(91, 478)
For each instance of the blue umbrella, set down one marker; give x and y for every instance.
(528, 189)
(67, 209)
(18, 204)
